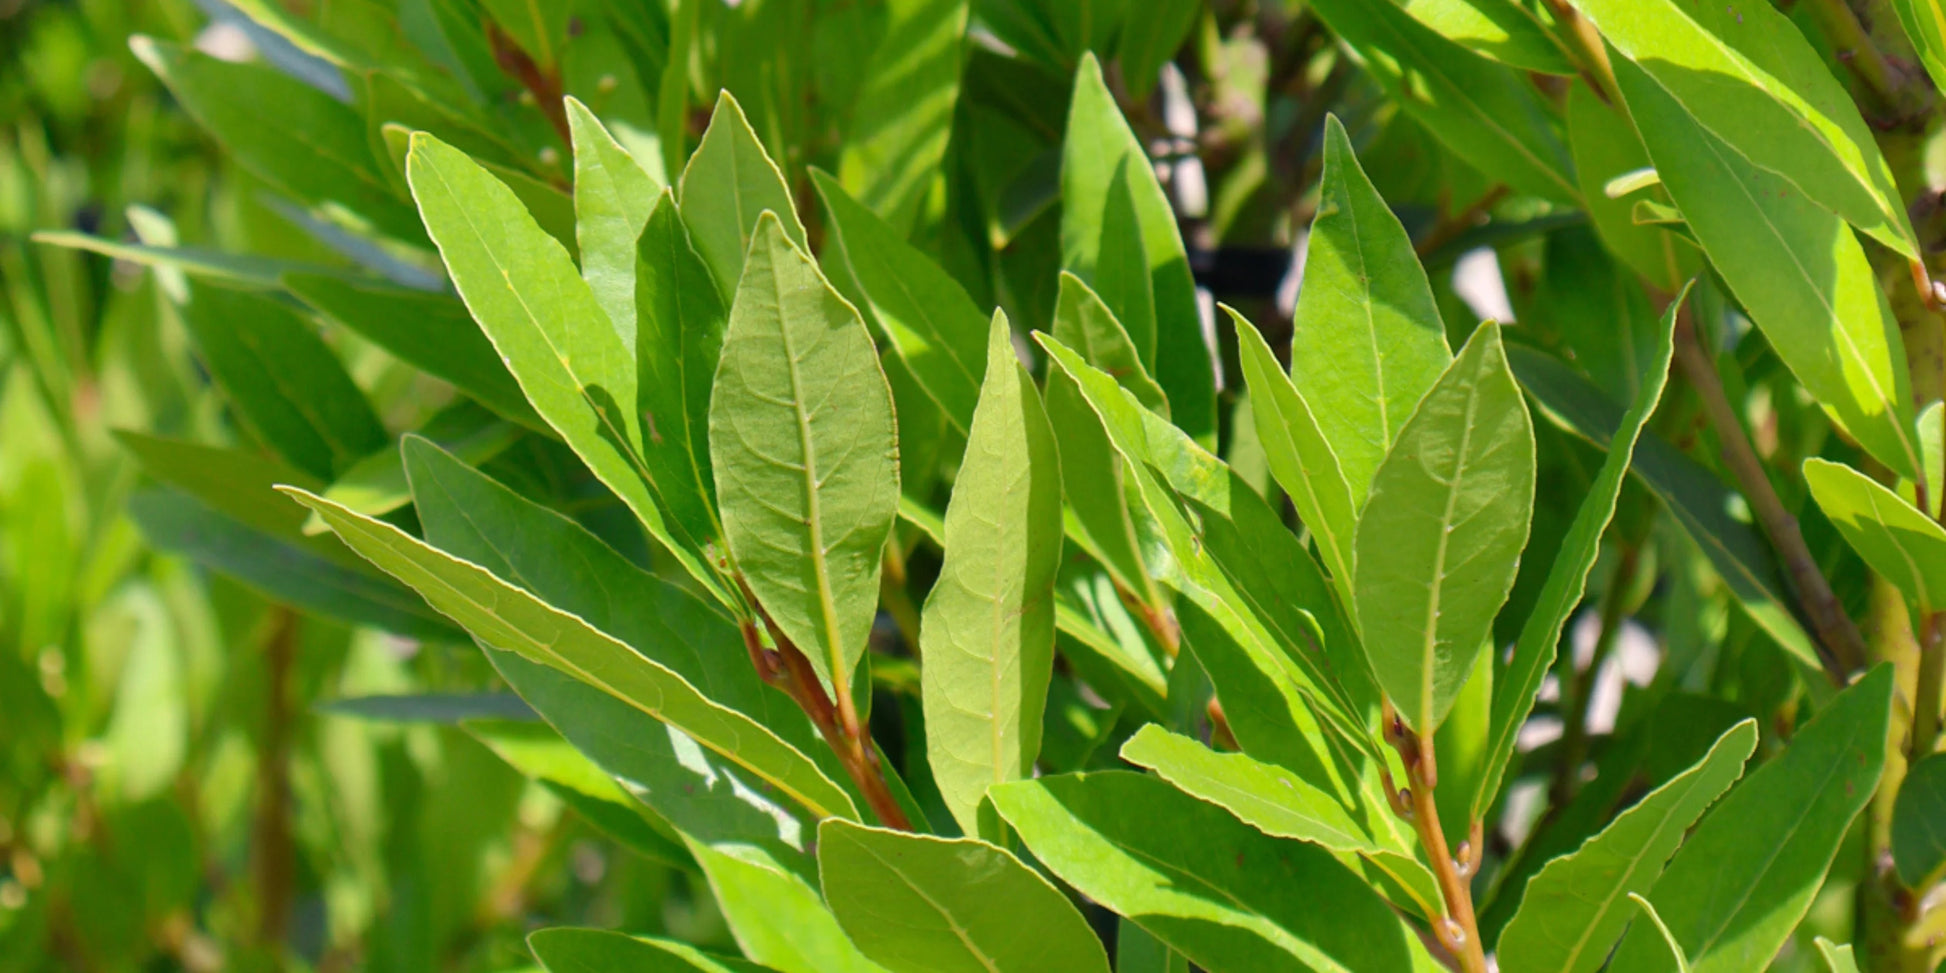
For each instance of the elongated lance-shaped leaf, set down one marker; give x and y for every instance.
(1654, 920)
(501, 615)
(1901, 544)
(550, 331)
(988, 627)
(805, 453)
(915, 904)
(1837, 959)
(1794, 266)
(1367, 341)
(1300, 457)
(902, 119)
(1567, 577)
(1605, 147)
(1485, 113)
(612, 200)
(1217, 890)
(1278, 802)
(543, 755)
(1746, 74)
(563, 950)
(1099, 145)
(726, 186)
(1508, 31)
(1121, 269)
(933, 325)
(776, 915)
(1919, 823)
(1574, 910)
(1748, 873)
(1440, 537)
(1925, 25)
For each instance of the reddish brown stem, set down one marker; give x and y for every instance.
(543, 83)
(273, 855)
(1458, 931)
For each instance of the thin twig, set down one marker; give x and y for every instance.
(273, 854)
(544, 84)
(1840, 646)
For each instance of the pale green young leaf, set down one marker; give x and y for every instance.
(1367, 341)
(1098, 145)
(1508, 31)
(522, 288)
(726, 186)
(1900, 544)
(1573, 910)
(987, 633)
(1485, 113)
(540, 753)
(1215, 889)
(1300, 456)
(1567, 576)
(1605, 147)
(919, 904)
(563, 950)
(287, 386)
(805, 453)
(933, 326)
(776, 915)
(1668, 938)
(1919, 823)
(1837, 959)
(1795, 267)
(1746, 875)
(1441, 534)
(1746, 74)
(431, 332)
(499, 614)
(903, 116)
(612, 200)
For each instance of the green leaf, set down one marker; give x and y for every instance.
(1279, 803)
(550, 331)
(500, 614)
(726, 186)
(1567, 576)
(1441, 534)
(612, 200)
(1746, 74)
(431, 332)
(1367, 342)
(934, 327)
(1151, 40)
(1085, 323)
(1899, 543)
(1605, 146)
(564, 950)
(1925, 25)
(1837, 959)
(776, 914)
(286, 384)
(1508, 31)
(1486, 114)
(441, 709)
(288, 133)
(240, 483)
(919, 904)
(240, 270)
(987, 633)
(1224, 894)
(1795, 267)
(1121, 268)
(1747, 874)
(1098, 146)
(1300, 457)
(805, 452)
(1573, 910)
(1699, 501)
(1919, 823)
(376, 485)
(1668, 938)
(903, 116)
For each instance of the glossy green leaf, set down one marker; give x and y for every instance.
(540, 753)
(805, 453)
(1900, 544)
(1300, 456)
(563, 950)
(726, 186)
(1573, 910)
(903, 116)
(932, 324)
(1925, 25)
(1919, 823)
(292, 135)
(1279, 803)
(1098, 146)
(524, 291)
(1747, 874)
(1567, 576)
(431, 332)
(500, 614)
(920, 904)
(1795, 267)
(1485, 113)
(987, 633)
(776, 914)
(286, 384)
(1222, 893)
(1746, 74)
(612, 200)
(1367, 342)
(1509, 31)
(1441, 534)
